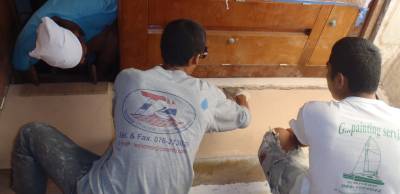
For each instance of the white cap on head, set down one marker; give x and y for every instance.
(57, 46)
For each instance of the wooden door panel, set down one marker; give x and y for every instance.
(266, 34)
(132, 24)
(344, 17)
(256, 15)
(315, 34)
(247, 48)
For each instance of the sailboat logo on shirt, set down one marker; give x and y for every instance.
(158, 112)
(367, 166)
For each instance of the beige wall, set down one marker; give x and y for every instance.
(388, 40)
(270, 108)
(391, 83)
(86, 118)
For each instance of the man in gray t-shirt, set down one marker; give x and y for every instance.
(160, 117)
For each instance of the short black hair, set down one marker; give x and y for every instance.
(359, 60)
(181, 40)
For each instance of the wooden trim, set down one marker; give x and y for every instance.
(375, 10)
(244, 33)
(345, 17)
(244, 28)
(134, 29)
(379, 20)
(315, 71)
(315, 35)
(249, 48)
(225, 71)
(8, 33)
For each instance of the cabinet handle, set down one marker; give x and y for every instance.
(333, 23)
(231, 40)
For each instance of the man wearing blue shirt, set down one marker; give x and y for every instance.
(160, 118)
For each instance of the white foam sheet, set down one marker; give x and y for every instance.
(237, 188)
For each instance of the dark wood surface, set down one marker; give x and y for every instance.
(225, 71)
(249, 48)
(267, 35)
(133, 21)
(7, 35)
(281, 17)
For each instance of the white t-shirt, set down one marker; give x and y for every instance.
(160, 118)
(354, 146)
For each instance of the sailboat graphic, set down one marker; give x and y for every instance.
(368, 163)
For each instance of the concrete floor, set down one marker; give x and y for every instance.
(238, 188)
(5, 184)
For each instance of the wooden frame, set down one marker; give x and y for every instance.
(377, 11)
(136, 28)
(7, 32)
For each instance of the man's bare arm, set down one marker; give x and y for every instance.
(242, 101)
(288, 139)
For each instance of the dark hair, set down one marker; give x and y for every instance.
(359, 61)
(181, 40)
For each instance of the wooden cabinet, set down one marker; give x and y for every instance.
(253, 38)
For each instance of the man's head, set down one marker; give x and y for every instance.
(354, 68)
(182, 43)
(59, 45)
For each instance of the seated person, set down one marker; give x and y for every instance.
(354, 143)
(72, 32)
(160, 116)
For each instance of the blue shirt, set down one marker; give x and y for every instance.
(91, 15)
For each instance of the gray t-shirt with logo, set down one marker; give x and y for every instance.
(160, 118)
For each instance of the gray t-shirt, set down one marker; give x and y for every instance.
(160, 118)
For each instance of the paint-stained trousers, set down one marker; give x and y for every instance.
(40, 152)
(286, 172)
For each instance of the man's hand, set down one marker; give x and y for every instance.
(288, 139)
(237, 95)
(242, 100)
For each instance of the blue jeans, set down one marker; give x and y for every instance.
(41, 151)
(285, 172)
